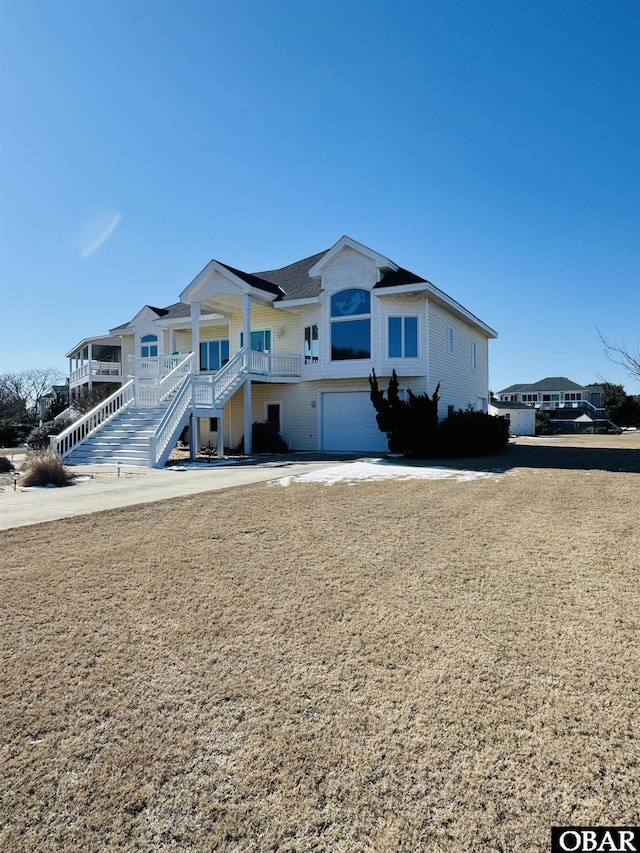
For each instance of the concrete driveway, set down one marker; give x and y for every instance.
(101, 488)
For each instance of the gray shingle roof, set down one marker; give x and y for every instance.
(551, 383)
(290, 282)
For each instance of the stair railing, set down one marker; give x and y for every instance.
(173, 379)
(70, 438)
(173, 419)
(226, 378)
(195, 392)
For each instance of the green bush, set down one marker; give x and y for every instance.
(6, 465)
(543, 425)
(473, 434)
(44, 468)
(13, 433)
(412, 426)
(38, 438)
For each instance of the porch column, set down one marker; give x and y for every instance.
(220, 453)
(195, 336)
(195, 438)
(90, 368)
(246, 337)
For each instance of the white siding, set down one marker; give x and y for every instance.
(461, 385)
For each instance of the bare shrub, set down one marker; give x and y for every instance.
(43, 468)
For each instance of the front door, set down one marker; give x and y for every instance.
(273, 415)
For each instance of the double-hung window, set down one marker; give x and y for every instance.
(403, 337)
(350, 324)
(213, 354)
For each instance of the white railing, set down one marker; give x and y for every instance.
(258, 362)
(268, 364)
(147, 393)
(227, 376)
(176, 376)
(157, 365)
(172, 420)
(567, 404)
(151, 390)
(285, 365)
(95, 368)
(197, 392)
(75, 434)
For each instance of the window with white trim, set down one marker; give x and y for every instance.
(260, 340)
(350, 324)
(149, 346)
(402, 337)
(311, 344)
(213, 354)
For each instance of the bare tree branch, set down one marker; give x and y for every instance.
(619, 354)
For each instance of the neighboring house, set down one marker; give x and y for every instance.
(293, 346)
(521, 417)
(554, 392)
(571, 407)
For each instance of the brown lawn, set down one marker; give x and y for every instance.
(394, 666)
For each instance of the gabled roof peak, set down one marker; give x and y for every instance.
(379, 261)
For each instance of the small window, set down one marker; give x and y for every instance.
(213, 425)
(473, 354)
(450, 411)
(449, 340)
(149, 346)
(403, 337)
(311, 344)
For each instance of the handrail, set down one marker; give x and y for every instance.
(228, 374)
(170, 422)
(61, 445)
(173, 379)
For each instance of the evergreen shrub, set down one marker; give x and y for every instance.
(38, 438)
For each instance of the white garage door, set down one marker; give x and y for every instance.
(349, 422)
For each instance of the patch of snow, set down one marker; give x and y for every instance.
(379, 469)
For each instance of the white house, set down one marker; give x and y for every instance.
(554, 392)
(293, 346)
(521, 417)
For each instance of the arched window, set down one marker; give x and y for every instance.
(149, 346)
(350, 324)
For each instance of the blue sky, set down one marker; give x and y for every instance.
(492, 147)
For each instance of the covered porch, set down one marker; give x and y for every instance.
(233, 295)
(95, 361)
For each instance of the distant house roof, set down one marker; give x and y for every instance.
(551, 383)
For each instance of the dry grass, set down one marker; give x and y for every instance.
(43, 468)
(397, 666)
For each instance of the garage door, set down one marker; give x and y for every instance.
(349, 422)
